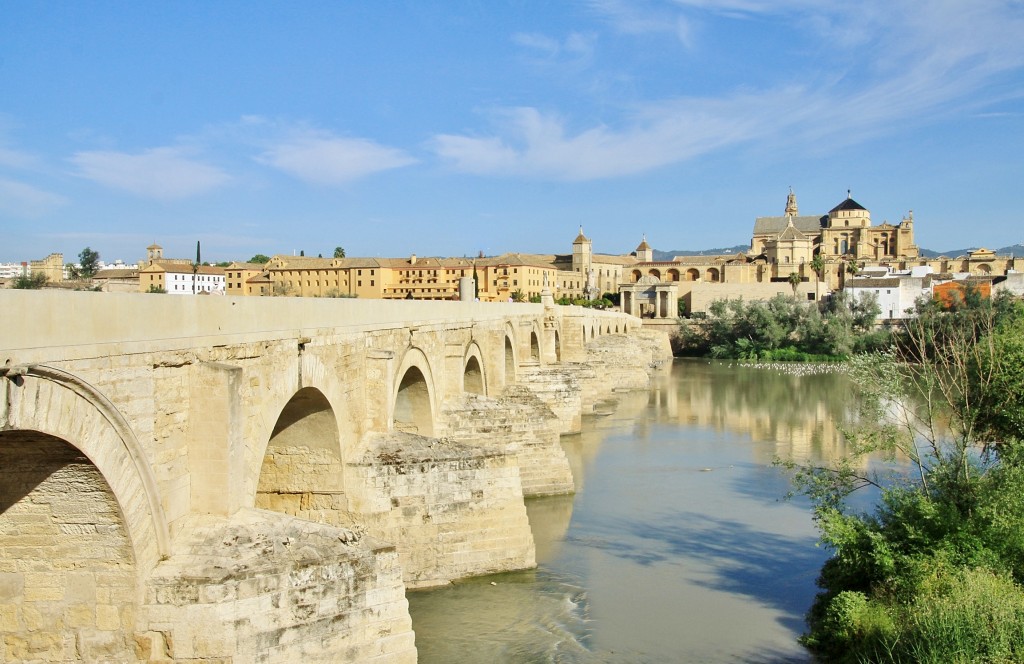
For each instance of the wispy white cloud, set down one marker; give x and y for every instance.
(165, 173)
(536, 144)
(23, 200)
(576, 49)
(918, 62)
(16, 159)
(639, 18)
(324, 158)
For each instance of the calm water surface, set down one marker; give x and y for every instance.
(678, 545)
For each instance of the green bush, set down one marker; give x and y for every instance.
(933, 573)
(781, 329)
(959, 616)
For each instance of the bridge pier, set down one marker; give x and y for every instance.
(263, 586)
(452, 509)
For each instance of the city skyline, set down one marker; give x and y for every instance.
(449, 129)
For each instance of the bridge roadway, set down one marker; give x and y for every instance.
(205, 479)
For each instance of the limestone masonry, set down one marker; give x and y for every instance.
(220, 479)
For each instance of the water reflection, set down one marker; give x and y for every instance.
(676, 547)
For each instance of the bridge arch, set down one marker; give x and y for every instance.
(510, 359)
(61, 405)
(413, 404)
(75, 472)
(302, 470)
(473, 379)
(66, 541)
(534, 345)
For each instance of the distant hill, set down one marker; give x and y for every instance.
(668, 255)
(1014, 250)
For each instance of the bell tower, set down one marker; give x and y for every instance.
(791, 208)
(582, 253)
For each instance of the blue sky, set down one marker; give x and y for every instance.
(447, 128)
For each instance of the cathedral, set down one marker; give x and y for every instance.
(845, 233)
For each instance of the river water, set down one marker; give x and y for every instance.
(678, 546)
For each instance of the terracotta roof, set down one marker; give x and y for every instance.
(245, 266)
(116, 273)
(613, 259)
(533, 260)
(261, 278)
(183, 268)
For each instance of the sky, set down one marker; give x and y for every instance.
(447, 128)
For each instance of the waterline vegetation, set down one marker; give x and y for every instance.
(934, 573)
(783, 329)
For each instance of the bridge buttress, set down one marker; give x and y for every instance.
(216, 439)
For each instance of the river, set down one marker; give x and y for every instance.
(678, 545)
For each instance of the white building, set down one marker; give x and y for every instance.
(896, 292)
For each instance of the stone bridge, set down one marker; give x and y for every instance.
(202, 479)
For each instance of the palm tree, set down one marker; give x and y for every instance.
(794, 281)
(818, 266)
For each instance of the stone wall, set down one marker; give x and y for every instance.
(518, 423)
(67, 571)
(265, 587)
(452, 510)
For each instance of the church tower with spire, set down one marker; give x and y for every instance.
(582, 254)
(644, 253)
(791, 208)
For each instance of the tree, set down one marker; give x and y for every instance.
(950, 514)
(794, 281)
(518, 296)
(818, 267)
(88, 261)
(260, 259)
(29, 281)
(339, 252)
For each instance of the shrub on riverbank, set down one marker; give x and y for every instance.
(934, 573)
(783, 329)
